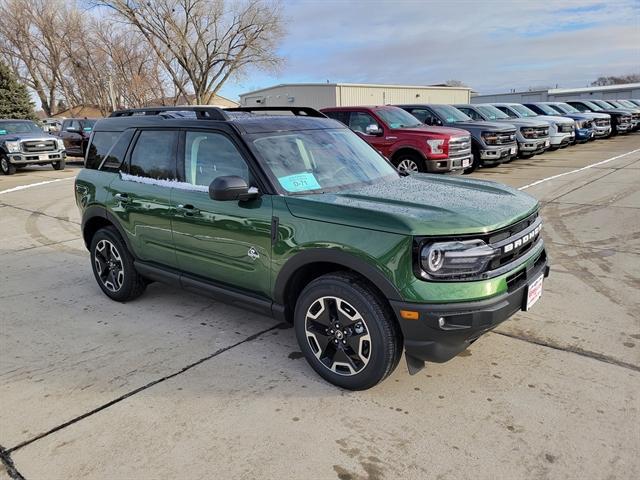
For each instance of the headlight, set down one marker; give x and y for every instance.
(451, 259)
(12, 147)
(60, 143)
(435, 145)
(490, 138)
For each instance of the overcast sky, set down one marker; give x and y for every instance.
(492, 46)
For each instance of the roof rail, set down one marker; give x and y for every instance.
(205, 113)
(298, 111)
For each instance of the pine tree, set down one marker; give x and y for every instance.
(15, 101)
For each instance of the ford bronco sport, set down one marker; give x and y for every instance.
(298, 218)
(24, 143)
(401, 138)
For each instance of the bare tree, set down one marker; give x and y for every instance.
(612, 80)
(203, 43)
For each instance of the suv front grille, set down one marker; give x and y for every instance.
(534, 132)
(37, 146)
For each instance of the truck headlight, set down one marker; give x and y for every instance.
(436, 145)
(490, 138)
(12, 147)
(455, 258)
(60, 143)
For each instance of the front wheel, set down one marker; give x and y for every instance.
(409, 163)
(58, 165)
(347, 332)
(113, 266)
(6, 166)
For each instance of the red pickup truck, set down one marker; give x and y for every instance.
(403, 139)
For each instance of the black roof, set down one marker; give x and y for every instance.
(244, 119)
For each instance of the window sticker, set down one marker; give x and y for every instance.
(87, 129)
(299, 182)
(3, 132)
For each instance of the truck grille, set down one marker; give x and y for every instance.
(587, 124)
(499, 138)
(534, 132)
(459, 147)
(602, 122)
(565, 128)
(37, 146)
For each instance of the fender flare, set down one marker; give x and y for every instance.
(335, 256)
(101, 212)
(408, 147)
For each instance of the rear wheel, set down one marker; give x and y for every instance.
(113, 266)
(410, 163)
(58, 165)
(347, 332)
(7, 167)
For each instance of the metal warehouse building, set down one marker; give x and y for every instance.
(320, 95)
(609, 92)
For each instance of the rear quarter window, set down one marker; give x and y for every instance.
(107, 150)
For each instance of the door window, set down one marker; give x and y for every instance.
(425, 116)
(154, 155)
(75, 125)
(472, 113)
(208, 155)
(341, 116)
(359, 121)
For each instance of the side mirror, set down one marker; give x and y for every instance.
(232, 187)
(373, 129)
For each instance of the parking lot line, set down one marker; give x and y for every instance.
(24, 187)
(553, 177)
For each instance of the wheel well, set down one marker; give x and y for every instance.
(309, 272)
(406, 151)
(92, 226)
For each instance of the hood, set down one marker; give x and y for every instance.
(445, 131)
(618, 111)
(482, 125)
(594, 115)
(524, 122)
(578, 116)
(26, 136)
(555, 118)
(419, 204)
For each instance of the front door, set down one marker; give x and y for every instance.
(141, 198)
(228, 242)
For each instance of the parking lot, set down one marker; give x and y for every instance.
(174, 385)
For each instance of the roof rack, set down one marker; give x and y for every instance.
(298, 111)
(205, 113)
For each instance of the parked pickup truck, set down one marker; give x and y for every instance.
(298, 218)
(408, 144)
(601, 121)
(75, 133)
(532, 135)
(584, 124)
(492, 143)
(620, 119)
(635, 111)
(23, 143)
(561, 129)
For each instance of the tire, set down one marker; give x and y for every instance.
(58, 165)
(409, 162)
(113, 266)
(371, 347)
(7, 167)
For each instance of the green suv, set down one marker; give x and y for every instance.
(296, 217)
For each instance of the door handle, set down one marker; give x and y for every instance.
(122, 198)
(188, 210)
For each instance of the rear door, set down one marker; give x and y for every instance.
(141, 195)
(227, 242)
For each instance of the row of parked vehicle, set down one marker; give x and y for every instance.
(463, 137)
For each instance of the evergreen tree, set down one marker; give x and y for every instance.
(15, 101)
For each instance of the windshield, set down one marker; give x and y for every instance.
(492, 113)
(593, 106)
(398, 118)
(317, 161)
(87, 125)
(627, 103)
(568, 108)
(450, 114)
(523, 111)
(602, 104)
(8, 128)
(549, 109)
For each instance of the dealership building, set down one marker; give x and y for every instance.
(320, 95)
(609, 92)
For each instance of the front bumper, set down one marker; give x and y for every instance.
(561, 139)
(444, 330)
(449, 164)
(602, 131)
(36, 158)
(498, 153)
(584, 134)
(533, 146)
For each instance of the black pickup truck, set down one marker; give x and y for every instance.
(23, 143)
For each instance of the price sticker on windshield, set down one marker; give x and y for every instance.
(299, 182)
